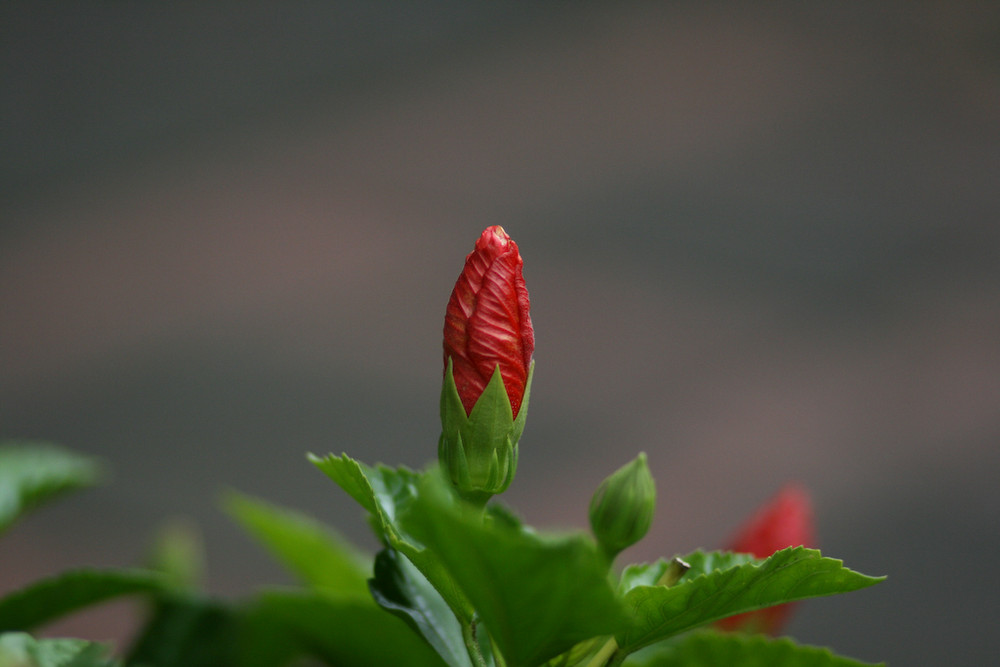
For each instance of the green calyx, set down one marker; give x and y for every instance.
(621, 510)
(479, 450)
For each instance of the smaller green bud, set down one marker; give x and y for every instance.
(621, 510)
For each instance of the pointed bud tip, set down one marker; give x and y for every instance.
(494, 240)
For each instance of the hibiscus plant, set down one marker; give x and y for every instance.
(460, 580)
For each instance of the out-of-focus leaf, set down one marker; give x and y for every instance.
(18, 649)
(31, 473)
(345, 632)
(187, 632)
(49, 599)
(316, 553)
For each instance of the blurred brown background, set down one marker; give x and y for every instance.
(761, 245)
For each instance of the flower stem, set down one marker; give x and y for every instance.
(472, 644)
(600, 658)
(677, 569)
(609, 654)
(498, 657)
(618, 658)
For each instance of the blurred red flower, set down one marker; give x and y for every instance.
(784, 521)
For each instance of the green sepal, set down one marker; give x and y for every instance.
(479, 450)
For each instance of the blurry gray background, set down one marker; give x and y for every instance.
(761, 245)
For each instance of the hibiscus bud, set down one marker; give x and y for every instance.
(621, 510)
(785, 521)
(488, 343)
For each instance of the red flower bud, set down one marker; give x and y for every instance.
(785, 521)
(488, 341)
(487, 322)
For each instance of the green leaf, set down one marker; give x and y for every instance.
(274, 628)
(31, 473)
(48, 599)
(714, 649)
(346, 632)
(315, 553)
(537, 595)
(384, 492)
(18, 649)
(649, 574)
(705, 594)
(187, 632)
(387, 493)
(399, 588)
